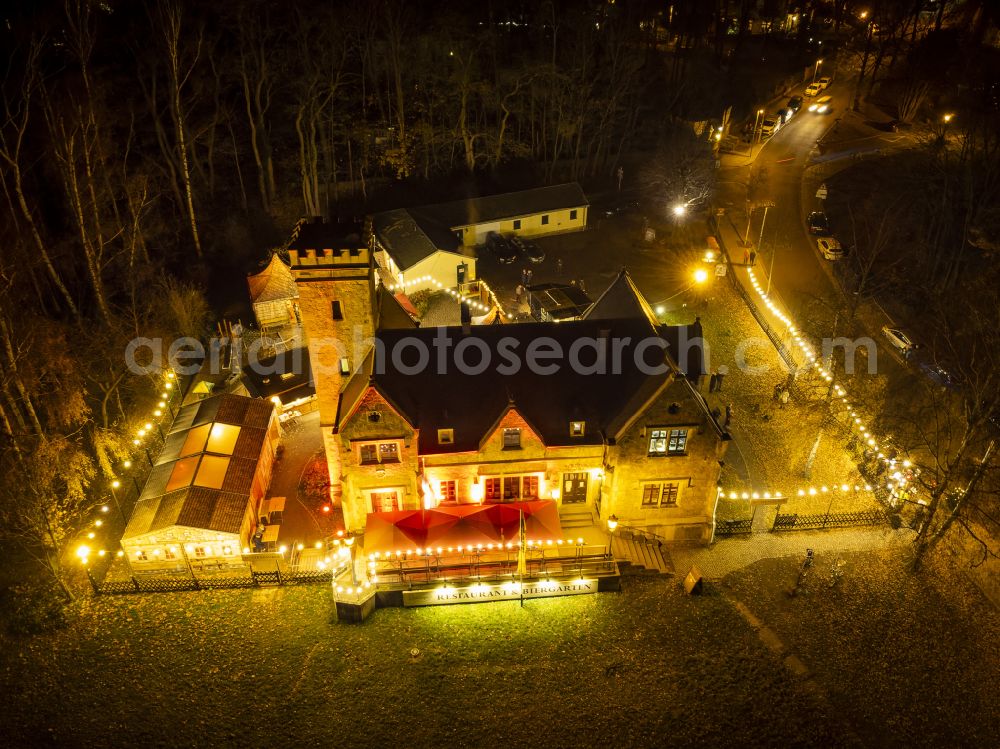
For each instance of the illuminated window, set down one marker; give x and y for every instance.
(677, 444)
(182, 473)
(668, 441)
(512, 439)
(170, 553)
(493, 490)
(369, 454)
(388, 452)
(195, 440)
(447, 491)
(668, 494)
(660, 494)
(576, 428)
(199, 551)
(345, 366)
(446, 436)
(141, 556)
(511, 487)
(212, 472)
(222, 439)
(529, 487)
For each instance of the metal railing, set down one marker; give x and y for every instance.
(175, 584)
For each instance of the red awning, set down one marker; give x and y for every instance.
(461, 525)
(407, 305)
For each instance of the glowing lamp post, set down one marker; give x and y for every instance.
(816, 69)
(679, 210)
(612, 524)
(700, 275)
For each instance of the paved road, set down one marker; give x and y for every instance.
(802, 280)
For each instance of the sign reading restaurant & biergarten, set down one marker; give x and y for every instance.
(486, 592)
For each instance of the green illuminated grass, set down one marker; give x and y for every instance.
(649, 667)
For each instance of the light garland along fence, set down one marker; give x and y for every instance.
(174, 585)
(862, 518)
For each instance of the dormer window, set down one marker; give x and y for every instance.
(446, 436)
(577, 428)
(512, 439)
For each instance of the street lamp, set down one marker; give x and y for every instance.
(816, 69)
(948, 118)
(700, 275)
(612, 524)
(679, 210)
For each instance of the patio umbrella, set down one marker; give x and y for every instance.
(541, 520)
(414, 526)
(438, 526)
(383, 534)
(468, 528)
(505, 519)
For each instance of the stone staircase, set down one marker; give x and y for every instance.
(642, 554)
(576, 516)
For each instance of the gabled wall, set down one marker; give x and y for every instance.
(696, 472)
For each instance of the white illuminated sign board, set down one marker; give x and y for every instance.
(486, 592)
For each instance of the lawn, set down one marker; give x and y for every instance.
(898, 661)
(648, 667)
(909, 661)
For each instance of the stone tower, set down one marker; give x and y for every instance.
(335, 275)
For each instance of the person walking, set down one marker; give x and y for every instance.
(729, 415)
(753, 257)
(559, 267)
(746, 256)
(722, 372)
(713, 382)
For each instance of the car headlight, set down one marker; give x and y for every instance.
(821, 109)
(812, 108)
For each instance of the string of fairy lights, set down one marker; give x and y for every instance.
(167, 388)
(479, 548)
(478, 306)
(806, 349)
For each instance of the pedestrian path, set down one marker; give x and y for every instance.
(732, 554)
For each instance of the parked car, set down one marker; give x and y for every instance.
(940, 375)
(821, 105)
(830, 248)
(771, 125)
(819, 224)
(812, 89)
(528, 249)
(501, 248)
(824, 82)
(899, 340)
(785, 114)
(795, 103)
(621, 207)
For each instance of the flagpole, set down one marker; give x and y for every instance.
(521, 563)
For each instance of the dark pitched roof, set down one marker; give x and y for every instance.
(390, 312)
(507, 205)
(622, 300)
(410, 235)
(470, 402)
(188, 503)
(273, 283)
(287, 375)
